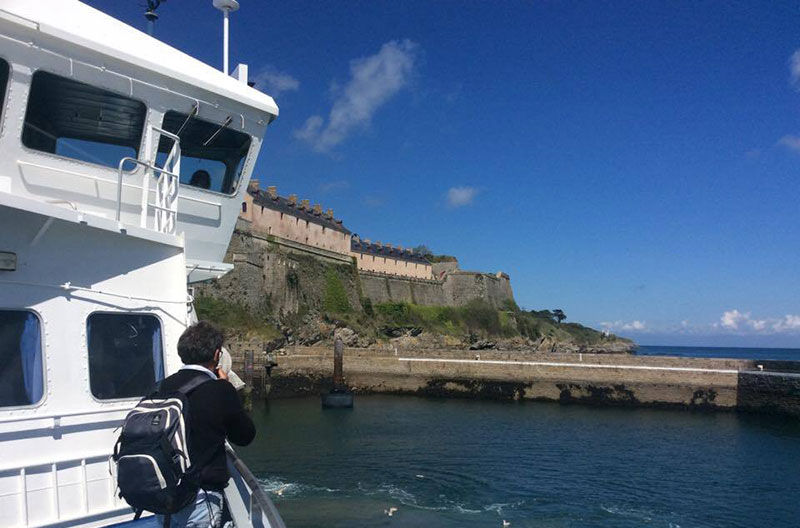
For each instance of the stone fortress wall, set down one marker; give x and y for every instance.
(298, 222)
(271, 226)
(389, 260)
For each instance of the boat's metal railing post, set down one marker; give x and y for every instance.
(167, 186)
(258, 503)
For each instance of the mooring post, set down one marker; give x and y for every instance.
(338, 356)
(339, 396)
(247, 393)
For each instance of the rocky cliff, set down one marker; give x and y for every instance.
(280, 294)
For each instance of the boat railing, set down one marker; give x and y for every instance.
(250, 506)
(165, 206)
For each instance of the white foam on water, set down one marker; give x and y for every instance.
(500, 507)
(280, 488)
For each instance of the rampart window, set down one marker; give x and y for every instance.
(125, 354)
(212, 155)
(21, 373)
(82, 122)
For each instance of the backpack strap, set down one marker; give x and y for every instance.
(193, 383)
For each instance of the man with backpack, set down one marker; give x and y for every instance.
(184, 484)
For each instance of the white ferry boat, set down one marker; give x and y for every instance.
(123, 165)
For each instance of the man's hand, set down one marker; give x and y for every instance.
(221, 374)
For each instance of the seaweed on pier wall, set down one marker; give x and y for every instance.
(489, 390)
(703, 399)
(614, 395)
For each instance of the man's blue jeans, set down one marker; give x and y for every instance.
(204, 512)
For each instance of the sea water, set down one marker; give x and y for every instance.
(469, 463)
(784, 354)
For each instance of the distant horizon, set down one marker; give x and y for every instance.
(720, 347)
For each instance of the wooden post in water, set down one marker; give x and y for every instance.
(338, 355)
(247, 392)
(339, 396)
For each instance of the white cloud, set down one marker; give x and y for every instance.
(789, 323)
(275, 82)
(373, 81)
(372, 200)
(333, 185)
(735, 320)
(632, 326)
(310, 129)
(460, 196)
(732, 319)
(790, 142)
(794, 67)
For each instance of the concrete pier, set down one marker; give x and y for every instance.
(599, 379)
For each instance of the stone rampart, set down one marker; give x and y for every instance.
(461, 287)
(381, 288)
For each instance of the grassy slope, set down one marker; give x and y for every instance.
(477, 318)
(234, 317)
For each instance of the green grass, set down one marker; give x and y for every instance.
(233, 317)
(335, 300)
(481, 319)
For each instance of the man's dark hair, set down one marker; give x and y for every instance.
(199, 342)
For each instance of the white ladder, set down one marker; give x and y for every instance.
(165, 206)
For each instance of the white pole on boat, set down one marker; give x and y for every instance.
(226, 6)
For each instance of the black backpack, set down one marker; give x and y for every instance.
(154, 471)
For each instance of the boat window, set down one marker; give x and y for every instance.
(4, 70)
(212, 154)
(125, 354)
(21, 374)
(82, 122)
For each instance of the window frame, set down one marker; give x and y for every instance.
(29, 150)
(245, 161)
(4, 94)
(43, 347)
(88, 366)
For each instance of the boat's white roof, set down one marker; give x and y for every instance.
(83, 25)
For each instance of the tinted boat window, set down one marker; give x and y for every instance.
(125, 354)
(21, 379)
(82, 122)
(4, 70)
(212, 154)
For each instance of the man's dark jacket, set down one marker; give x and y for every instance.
(215, 413)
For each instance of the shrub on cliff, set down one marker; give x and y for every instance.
(480, 317)
(335, 300)
(233, 317)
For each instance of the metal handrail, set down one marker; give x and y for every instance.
(144, 164)
(105, 180)
(173, 159)
(258, 495)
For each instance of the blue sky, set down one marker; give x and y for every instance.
(633, 163)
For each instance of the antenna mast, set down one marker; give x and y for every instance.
(226, 6)
(151, 15)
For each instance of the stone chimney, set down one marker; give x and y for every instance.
(318, 209)
(273, 192)
(399, 247)
(305, 204)
(252, 186)
(292, 200)
(329, 214)
(389, 246)
(356, 239)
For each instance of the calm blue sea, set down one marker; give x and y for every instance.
(722, 352)
(462, 463)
